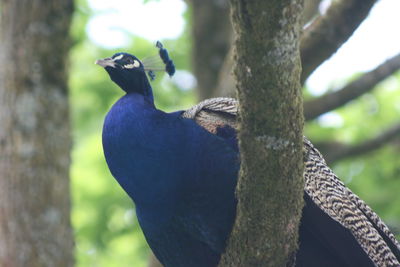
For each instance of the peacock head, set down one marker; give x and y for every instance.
(129, 73)
(126, 70)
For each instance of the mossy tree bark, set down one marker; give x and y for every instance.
(35, 135)
(270, 186)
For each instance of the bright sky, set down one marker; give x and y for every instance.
(154, 20)
(376, 40)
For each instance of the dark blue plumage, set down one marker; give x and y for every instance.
(182, 179)
(180, 176)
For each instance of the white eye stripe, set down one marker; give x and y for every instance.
(135, 64)
(118, 57)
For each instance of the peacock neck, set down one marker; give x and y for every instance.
(136, 84)
(148, 91)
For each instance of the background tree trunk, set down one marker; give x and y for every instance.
(35, 134)
(270, 187)
(212, 38)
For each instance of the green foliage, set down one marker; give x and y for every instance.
(106, 230)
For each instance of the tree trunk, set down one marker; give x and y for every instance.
(270, 187)
(212, 38)
(225, 83)
(35, 134)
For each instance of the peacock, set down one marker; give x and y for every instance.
(181, 169)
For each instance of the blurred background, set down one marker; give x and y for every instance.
(360, 138)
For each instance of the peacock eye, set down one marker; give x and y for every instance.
(131, 63)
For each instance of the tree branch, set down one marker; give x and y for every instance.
(335, 151)
(328, 32)
(314, 108)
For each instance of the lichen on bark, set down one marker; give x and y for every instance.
(270, 186)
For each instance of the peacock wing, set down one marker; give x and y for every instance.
(321, 185)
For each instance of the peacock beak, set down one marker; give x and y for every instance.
(106, 62)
